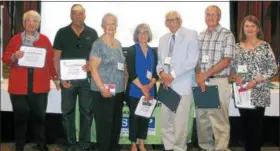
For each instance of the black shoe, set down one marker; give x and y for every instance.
(85, 149)
(165, 150)
(70, 149)
(44, 148)
(19, 149)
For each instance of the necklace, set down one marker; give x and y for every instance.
(112, 44)
(251, 44)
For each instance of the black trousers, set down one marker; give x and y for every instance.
(252, 122)
(24, 107)
(138, 126)
(81, 89)
(108, 120)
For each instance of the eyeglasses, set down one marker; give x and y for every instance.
(172, 20)
(211, 15)
(78, 43)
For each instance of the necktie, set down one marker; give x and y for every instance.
(171, 46)
(171, 49)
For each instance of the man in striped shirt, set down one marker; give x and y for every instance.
(216, 53)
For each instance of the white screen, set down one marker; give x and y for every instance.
(57, 14)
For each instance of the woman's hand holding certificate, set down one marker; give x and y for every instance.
(145, 108)
(31, 56)
(242, 96)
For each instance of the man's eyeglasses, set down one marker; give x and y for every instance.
(211, 15)
(172, 20)
(78, 44)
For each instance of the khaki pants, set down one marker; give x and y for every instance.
(215, 121)
(174, 126)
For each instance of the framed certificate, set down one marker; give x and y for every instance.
(32, 57)
(72, 69)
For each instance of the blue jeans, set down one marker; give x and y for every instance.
(80, 88)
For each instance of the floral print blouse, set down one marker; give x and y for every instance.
(260, 62)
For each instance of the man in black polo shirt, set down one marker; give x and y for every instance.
(74, 42)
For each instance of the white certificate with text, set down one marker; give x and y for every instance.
(32, 57)
(145, 108)
(72, 69)
(242, 99)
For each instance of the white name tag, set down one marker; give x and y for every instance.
(167, 60)
(111, 87)
(149, 75)
(205, 59)
(173, 74)
(120, 66)
(242, 69)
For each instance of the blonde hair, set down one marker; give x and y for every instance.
(32, 13)
(107, 16)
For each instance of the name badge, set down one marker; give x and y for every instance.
(242, 69)
(205, 59)
(167, 60)
(149, 75)
(111, 87)
(120, 66)
(173, 74)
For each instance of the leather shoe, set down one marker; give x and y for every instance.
(85, 149)
(165, 150)
(44, 148)
(69, 149)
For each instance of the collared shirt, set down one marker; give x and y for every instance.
(183, 61)
(217, 45)
(73, 46)
(176, 35)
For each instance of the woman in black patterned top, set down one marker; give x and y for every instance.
(254, 63)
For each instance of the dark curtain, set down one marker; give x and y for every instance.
(13, 13)
(268, 14)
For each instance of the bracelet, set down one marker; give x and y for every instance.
(161, 70)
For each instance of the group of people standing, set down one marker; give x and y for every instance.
(182, 57)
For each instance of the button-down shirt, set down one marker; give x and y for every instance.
(217, 45)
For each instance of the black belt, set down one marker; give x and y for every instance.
(211, 77)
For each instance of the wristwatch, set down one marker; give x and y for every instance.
(160, 70)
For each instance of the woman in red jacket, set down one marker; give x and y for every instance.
(29, 86)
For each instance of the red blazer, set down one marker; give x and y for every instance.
(18, 75)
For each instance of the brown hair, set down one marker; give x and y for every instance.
(254, 20)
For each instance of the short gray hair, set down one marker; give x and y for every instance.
(217, 8)
(177, 14)
(142, 27)
(79, 7)
(33, 13)
(107, 16)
